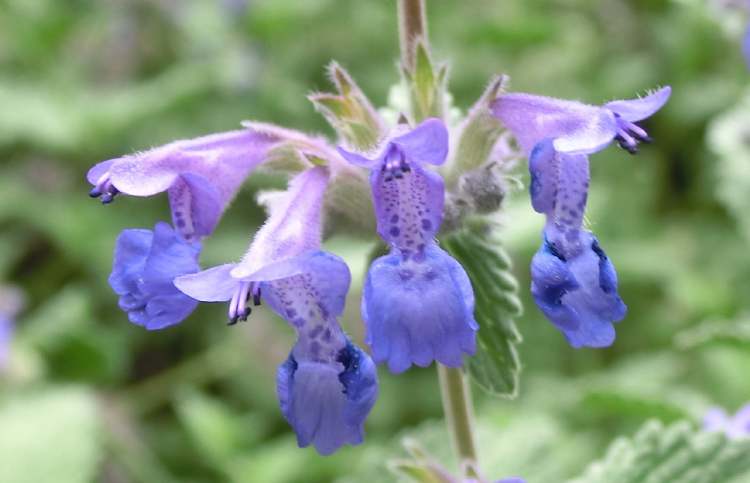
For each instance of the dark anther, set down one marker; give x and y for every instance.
(256, 297)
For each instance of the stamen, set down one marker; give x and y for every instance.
(395, 165)
(238, 309)
(104, 189)
(256, 294)
(630, 134)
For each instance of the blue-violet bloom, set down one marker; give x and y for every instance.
(145, 264)
(573, 281)
(327, 386)
(418, 303)
(735, 427)
(201, 176)
(575, 127)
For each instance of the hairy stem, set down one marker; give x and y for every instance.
(412, 26)
(459, 418)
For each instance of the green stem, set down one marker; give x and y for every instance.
(412, 26)
(459, 417)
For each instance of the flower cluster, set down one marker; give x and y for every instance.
(418, 302)
(573, 281)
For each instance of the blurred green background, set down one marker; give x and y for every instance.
(88, 396)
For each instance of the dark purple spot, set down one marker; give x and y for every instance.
(315, 349)
(180, 223)
(426, 224)
(394, 219)
(291, 313)
(394, 231)
(299, 322)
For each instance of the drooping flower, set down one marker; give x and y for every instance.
(327, 386)
(573, 281)
(575, 127)
(293, 227)
(735, 427)
(145, 264)
(201, 176)
(417, 302)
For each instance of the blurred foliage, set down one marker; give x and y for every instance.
(90, 397)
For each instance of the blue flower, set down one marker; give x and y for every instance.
(418, 303)
(419, 310)
(145, 264)
(327, 386)
(573, 282)
(327, 402)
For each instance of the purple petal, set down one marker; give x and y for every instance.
(409, 210)
(98, 170)
(212, 285)
(716, 419)
(426, 143)
(6, 334)
(418, 311)
(576, 128)
(633, 110)
(313, 279)
(577, 291)
(145, 265)
(544, 170)
(357, 159)
(293, 227)
(196, 205)
(327, 403)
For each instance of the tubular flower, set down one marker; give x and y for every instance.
(577, 128)
(735, 427)
(144, 267)
(418, 302)
(201, 176)
(327, 386)
(573, 281)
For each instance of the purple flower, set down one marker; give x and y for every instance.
(418, 303)
(577, 128)
(419, 311)
(573, 281)
(11, 302)
(408, 197)
(735, 427)
(293, 228)
(327, 386)
(144, 267)
(201, 176)
(6, 334)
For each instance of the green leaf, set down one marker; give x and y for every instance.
(427, 85)
(51, 435)
(349, 112)
(496, 366)
(675, 454)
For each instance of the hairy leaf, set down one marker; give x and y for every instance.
(676, 454)
(496, 366)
